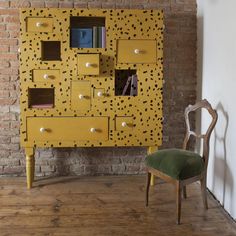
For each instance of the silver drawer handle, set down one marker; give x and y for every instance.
(137, 51)
(123, 124)
(100, 94)
(46, 76)
(81, 96)
(88, 64)
(42, 129)
(92, 130)
(39, 24)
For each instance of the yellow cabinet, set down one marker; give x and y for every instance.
(46, 75)
(39, 24)
(42, 129)
(136, 51)
(88, 64)
(124, 123)
(80, 95)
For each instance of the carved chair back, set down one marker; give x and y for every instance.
(206, 137)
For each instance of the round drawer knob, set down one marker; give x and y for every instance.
(42, 129)
(39, 24)
(136, 51)
(123, 124)
(46, 76)
(81, 96)
(100, 94)
(88, 65)
(92, 130)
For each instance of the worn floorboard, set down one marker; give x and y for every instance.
(105, 205)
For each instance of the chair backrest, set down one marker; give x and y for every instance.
(206, 137)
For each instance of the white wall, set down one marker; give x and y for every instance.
(217, 83)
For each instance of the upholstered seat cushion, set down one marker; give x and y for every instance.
(176, 163)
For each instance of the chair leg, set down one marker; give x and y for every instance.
(184, 192)
(204, 192)
(147, 186)
(178, 202)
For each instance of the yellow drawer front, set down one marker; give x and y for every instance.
(39, 24)
(67, 128)
(88, 64)
(81, 95)
(46, 75)
(136, 51)
(124, 123)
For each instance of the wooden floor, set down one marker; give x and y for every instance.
(107, 205)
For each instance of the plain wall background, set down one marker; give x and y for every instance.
(217, 82)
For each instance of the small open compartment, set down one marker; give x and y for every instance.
(51, 50)
(41, 97)
(126, 82)
(87, 32)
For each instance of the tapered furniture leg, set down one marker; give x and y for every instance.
(29, 166)
(178, 202)
(147, 187)
(32, 169)
(204, 193)
(151, 150)
(184, 192)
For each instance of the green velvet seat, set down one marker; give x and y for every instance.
(176, 163)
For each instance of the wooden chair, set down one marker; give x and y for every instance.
(180, 166)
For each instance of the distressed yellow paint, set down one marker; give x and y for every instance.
(124, 123)
(88, 64)
(71, 118)
(46, 75)
(136, 51)
(49, 129)
(81, 95)
(39, 24)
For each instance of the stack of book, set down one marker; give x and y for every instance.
(88, 37)
(99, 37)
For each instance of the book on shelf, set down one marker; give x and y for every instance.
(81, 38)
(132, 82)
(99, 37)
(42, 106)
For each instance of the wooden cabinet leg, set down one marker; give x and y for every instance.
(29, 166)
(152, 180)
(151, 150)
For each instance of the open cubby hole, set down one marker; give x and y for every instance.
(126, 82)
(51, 50)
(41, 97)
(87, 32)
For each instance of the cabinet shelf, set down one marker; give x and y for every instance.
(51, 50)
(126, 83)
(87, 32)
(41, 98)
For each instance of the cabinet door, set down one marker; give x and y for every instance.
(39, 24)
(88, 64)
(136, 51)
(46, 75)
(80, 95)
(124, 123)
(67, 128)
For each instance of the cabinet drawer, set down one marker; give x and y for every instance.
(39, 24)
(80, 95)
(136, 51)
(88, 64)
(46, 75)
(124, 123)
(67, 128)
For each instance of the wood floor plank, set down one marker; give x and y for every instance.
(106, 205)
